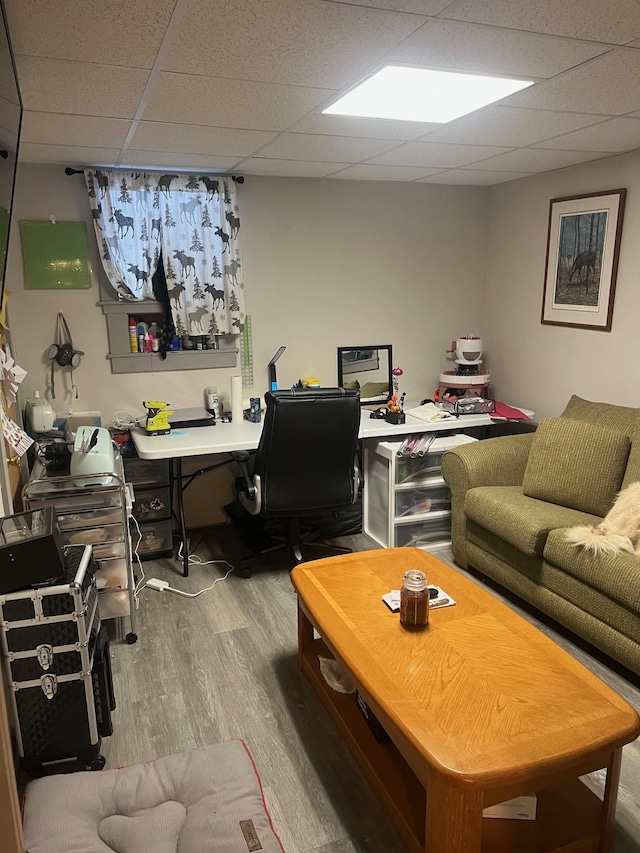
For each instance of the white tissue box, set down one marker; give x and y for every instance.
(519, 808)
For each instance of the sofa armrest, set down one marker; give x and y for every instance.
(493, 462)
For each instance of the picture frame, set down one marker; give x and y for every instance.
(583, 247)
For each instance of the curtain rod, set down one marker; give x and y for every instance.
(69, 170)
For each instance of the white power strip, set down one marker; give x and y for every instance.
(156, 583)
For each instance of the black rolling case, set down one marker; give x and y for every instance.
(58, 666)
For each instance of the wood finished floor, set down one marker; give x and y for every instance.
(224, 665)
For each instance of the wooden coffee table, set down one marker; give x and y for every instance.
(480, 707)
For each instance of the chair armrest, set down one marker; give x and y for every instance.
(247, 497)
(492, 462)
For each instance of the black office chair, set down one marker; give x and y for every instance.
(305, 464)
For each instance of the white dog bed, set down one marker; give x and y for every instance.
(206, 801)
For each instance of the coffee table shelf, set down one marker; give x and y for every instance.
(501, 711)
(569, 814)
(383, 765)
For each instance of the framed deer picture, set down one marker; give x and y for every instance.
(583, 245)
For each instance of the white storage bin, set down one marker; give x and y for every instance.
(86, 501)
(406, 501)
(412, 501)
(425, 533)
(113, 603)
(93, 535)
(109, 549)
(112, 574)
(90, 518)
(420, 468)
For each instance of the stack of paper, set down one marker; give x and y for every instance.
(428, 412)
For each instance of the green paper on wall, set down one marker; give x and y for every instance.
(56, 255)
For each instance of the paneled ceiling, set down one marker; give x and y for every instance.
(239, 85)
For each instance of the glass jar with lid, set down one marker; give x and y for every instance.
(414, 600)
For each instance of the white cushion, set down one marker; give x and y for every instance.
(205, 801)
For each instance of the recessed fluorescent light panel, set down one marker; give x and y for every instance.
(418, 94)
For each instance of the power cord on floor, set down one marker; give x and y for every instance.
(141, 582)
(194, 560)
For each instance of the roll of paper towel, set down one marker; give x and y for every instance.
(236, 399)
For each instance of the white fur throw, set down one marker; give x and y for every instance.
(619, 530)
(205, 801)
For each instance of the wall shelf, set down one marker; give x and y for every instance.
(122, 360)
(150, 362)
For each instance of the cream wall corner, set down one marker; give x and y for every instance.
(538, 366)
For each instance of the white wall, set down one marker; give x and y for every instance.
(327, 264)
(542, 366)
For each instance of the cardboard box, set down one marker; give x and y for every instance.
(520, 808)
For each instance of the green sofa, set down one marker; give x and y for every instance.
(512, 499)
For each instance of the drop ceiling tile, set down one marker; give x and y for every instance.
(614, 135)
(68, 155)
(432, 154)
(609, 84)
(287, 168)
(536, 160)
(177, 160)
(285, 41)
(471, 47)
(334, 149)
(221, 141)
(369, 128)
(365, 172)
(594, 20)
(93, 131)
(509, 126)
(82, 88)
(113, 33)
(418, 7)
(473, 177)
(230, 103)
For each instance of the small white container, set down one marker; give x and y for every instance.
(212, 401)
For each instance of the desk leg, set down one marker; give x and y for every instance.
(183, 527)
(454, 820)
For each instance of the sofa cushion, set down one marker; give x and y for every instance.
(576, 464)
(617, 577)
(520, 520)
(621, 418)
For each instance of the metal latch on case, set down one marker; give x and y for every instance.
(44, 655)
(49, 684)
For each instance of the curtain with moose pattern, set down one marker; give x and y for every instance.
(201, 253)
(126, 220)
(196, 222)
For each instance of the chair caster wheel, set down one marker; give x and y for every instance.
(97, 763)
(131, 638)
(243, 571)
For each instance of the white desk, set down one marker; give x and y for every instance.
(223, 438)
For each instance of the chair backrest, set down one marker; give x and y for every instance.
(306, 458)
